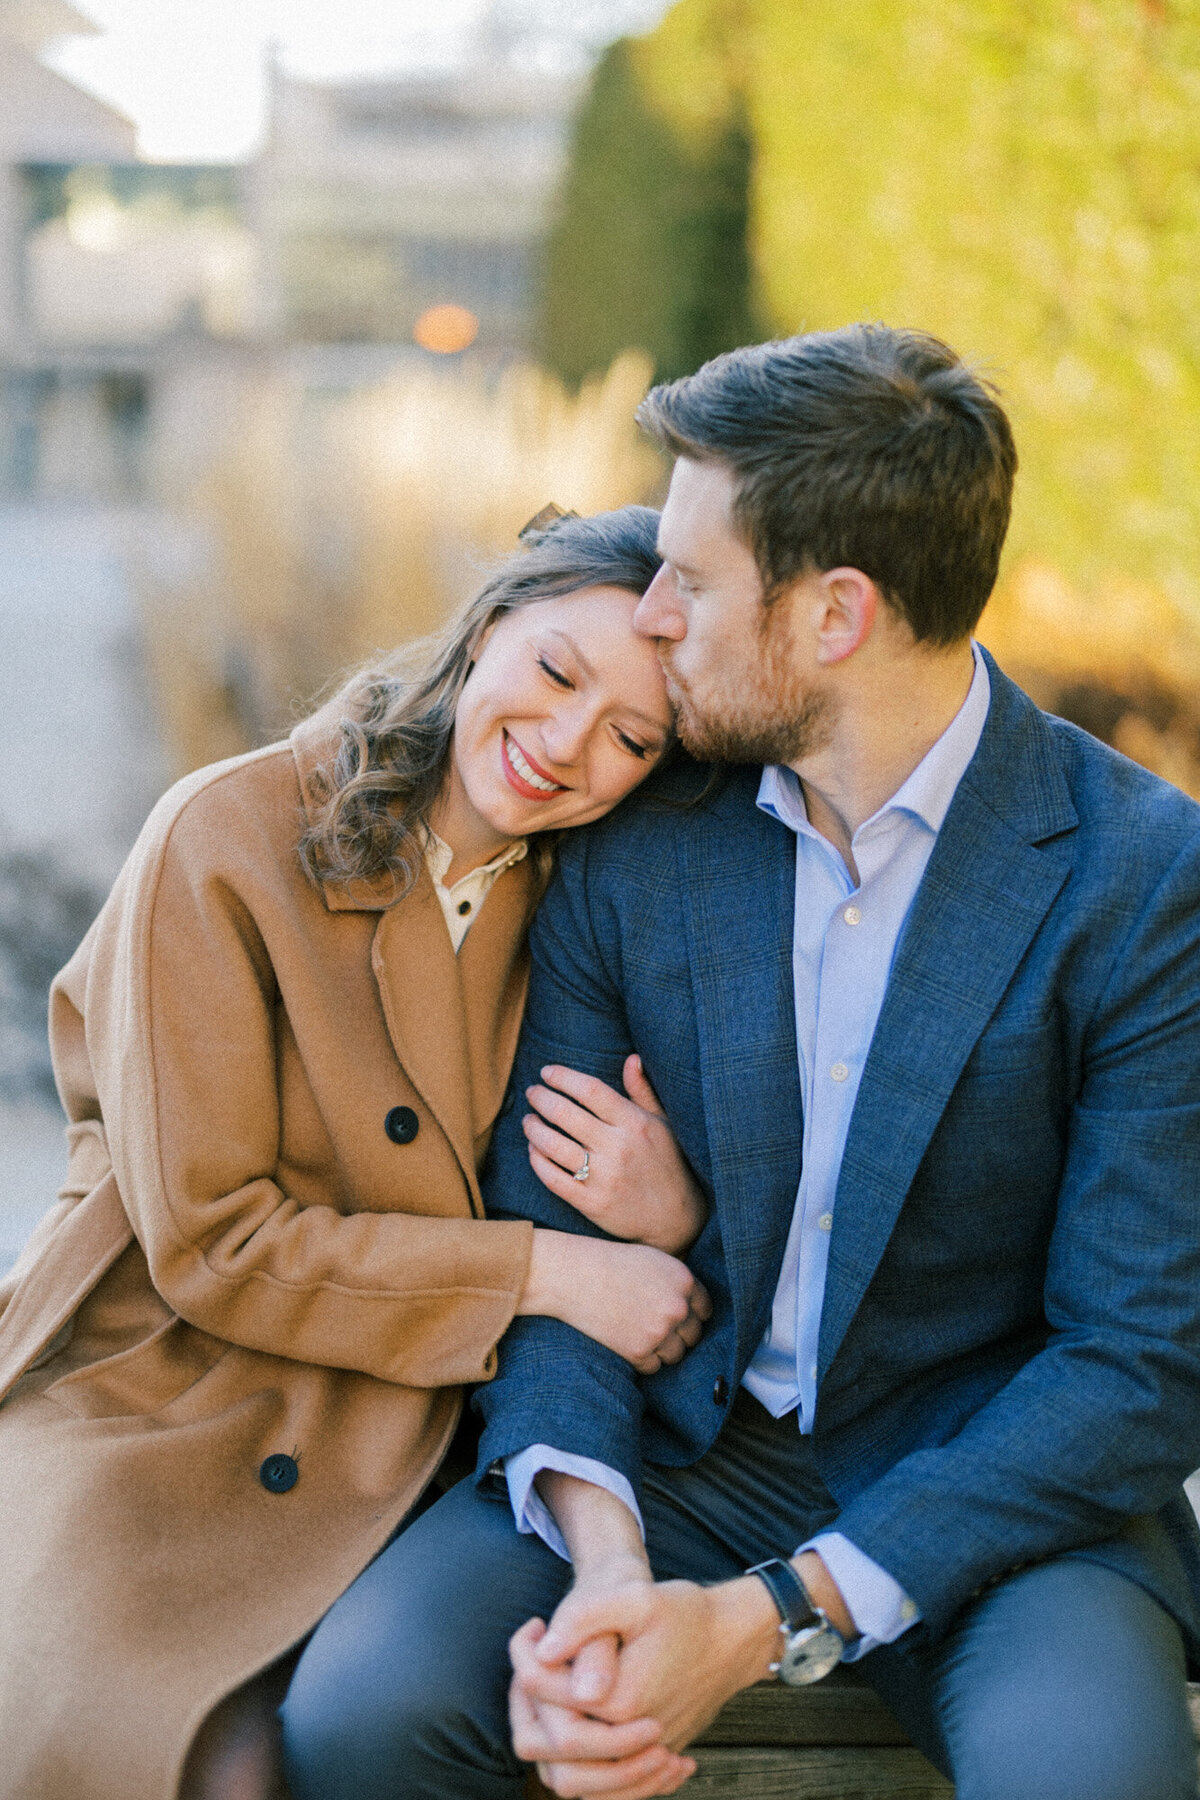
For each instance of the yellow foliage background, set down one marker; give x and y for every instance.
(1021, 177)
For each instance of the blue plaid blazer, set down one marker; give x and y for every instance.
(1009, 1362)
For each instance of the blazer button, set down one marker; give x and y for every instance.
(279, 1474)
(402, 1125)
(720, 1391)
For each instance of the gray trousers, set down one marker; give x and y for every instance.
(1066, 1682)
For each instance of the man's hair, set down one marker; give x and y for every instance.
(867, 448)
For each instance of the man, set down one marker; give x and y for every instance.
(921, 999)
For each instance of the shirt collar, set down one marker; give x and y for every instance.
(927, 792)
(439, 856)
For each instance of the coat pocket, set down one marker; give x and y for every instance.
(142, 1379)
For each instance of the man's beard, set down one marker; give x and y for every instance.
(773, 719)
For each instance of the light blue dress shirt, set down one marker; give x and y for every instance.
(844, 943)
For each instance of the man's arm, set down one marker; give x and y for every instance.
(624, 1652)
(555, 1385)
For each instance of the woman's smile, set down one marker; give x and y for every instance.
(562, 684)
(529, 779)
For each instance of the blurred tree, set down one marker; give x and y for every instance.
(1019, 176)
(651, 246)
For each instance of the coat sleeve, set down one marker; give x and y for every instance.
(1101, 1425)
(554, 1384)
(175, 993)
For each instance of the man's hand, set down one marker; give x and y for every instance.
(684, 1650)
(627, 1760)
(629, 1671)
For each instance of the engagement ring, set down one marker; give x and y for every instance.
(581, 1174)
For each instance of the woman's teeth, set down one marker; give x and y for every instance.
(513, 751)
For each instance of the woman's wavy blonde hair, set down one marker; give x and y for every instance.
(375, 800)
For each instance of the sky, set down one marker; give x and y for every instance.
(190, 72)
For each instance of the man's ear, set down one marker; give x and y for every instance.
(847, 604)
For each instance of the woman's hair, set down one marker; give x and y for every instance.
(375, 800)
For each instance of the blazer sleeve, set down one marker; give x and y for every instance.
(1101, 1425)
(176, 993)
(555, 1385)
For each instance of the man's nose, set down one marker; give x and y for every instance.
(658, 613)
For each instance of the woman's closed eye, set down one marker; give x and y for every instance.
(635, 749)
(556, 675)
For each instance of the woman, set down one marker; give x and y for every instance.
(234, 1352)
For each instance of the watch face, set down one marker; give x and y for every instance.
(811, 1653)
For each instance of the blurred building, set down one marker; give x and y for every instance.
(382, 199)
(383, 219)
(43, 117)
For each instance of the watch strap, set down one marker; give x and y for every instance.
(788, 1592)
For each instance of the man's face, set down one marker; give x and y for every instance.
(740, 674)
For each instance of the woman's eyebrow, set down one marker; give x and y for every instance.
(585, 665)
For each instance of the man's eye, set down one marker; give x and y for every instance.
(556, 675)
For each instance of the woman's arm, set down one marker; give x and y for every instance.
(637, 1184)
(640, 1302)
(176, 993)
(165, 1023)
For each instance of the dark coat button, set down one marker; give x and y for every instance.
(402, 1125)
(720, 1390)
(279, 1474)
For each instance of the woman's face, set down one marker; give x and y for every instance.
(564, 712)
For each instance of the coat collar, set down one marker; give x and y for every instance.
(315, 742)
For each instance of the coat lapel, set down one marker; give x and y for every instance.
(452, 1020)
(737, 882)
(415, 967)
(991, 879)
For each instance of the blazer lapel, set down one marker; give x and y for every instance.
(737, 882)
(990, 881)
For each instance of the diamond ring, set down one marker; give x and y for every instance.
(581, 1174)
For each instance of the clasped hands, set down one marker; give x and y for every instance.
(629, 1671)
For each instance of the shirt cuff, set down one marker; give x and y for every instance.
(530, 1511)
(875, 1601)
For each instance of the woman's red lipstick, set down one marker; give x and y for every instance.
(517, 781)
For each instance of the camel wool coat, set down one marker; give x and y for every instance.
(270, 1245)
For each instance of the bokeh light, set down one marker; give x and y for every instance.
(446, 329)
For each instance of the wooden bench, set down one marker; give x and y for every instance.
(833, 1741)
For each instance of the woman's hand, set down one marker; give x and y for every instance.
(643, 1304)
(638, 1185)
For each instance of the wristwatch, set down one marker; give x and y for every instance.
(812, 1645)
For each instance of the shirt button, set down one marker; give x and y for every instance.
(464, 907)
(720, 1391)
(826, 1221)
(852, 915)
(908, 1611)
(813, 1372)
(839, 1071)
